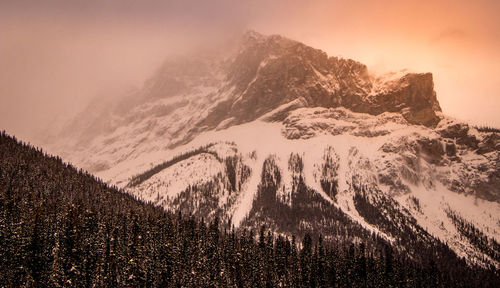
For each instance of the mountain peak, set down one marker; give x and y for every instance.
(253, 37)
(270, 71)
(267, 77)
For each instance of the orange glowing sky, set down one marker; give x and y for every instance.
(56, 55)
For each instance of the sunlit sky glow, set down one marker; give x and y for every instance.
(57, 55)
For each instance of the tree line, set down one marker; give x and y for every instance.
(62, 227)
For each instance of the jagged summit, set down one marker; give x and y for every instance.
(272, 70)
(253, 37)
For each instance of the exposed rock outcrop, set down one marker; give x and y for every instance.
(270, 71)
(460, 133)
(489, 144)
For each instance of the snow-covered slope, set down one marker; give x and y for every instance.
(390, 162)
(278, 133)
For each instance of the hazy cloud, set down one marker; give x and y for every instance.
(55, 55)
(449, 34)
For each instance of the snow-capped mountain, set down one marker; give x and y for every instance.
(278, 133)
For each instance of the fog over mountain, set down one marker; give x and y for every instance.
(249, 143)
(56, 56)
(266, 130)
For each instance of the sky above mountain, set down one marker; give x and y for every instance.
(55, 56)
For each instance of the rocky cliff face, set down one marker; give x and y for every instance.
(190, 95)
(413, 95)
(272, 71)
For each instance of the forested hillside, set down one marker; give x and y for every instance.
(60, 227)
